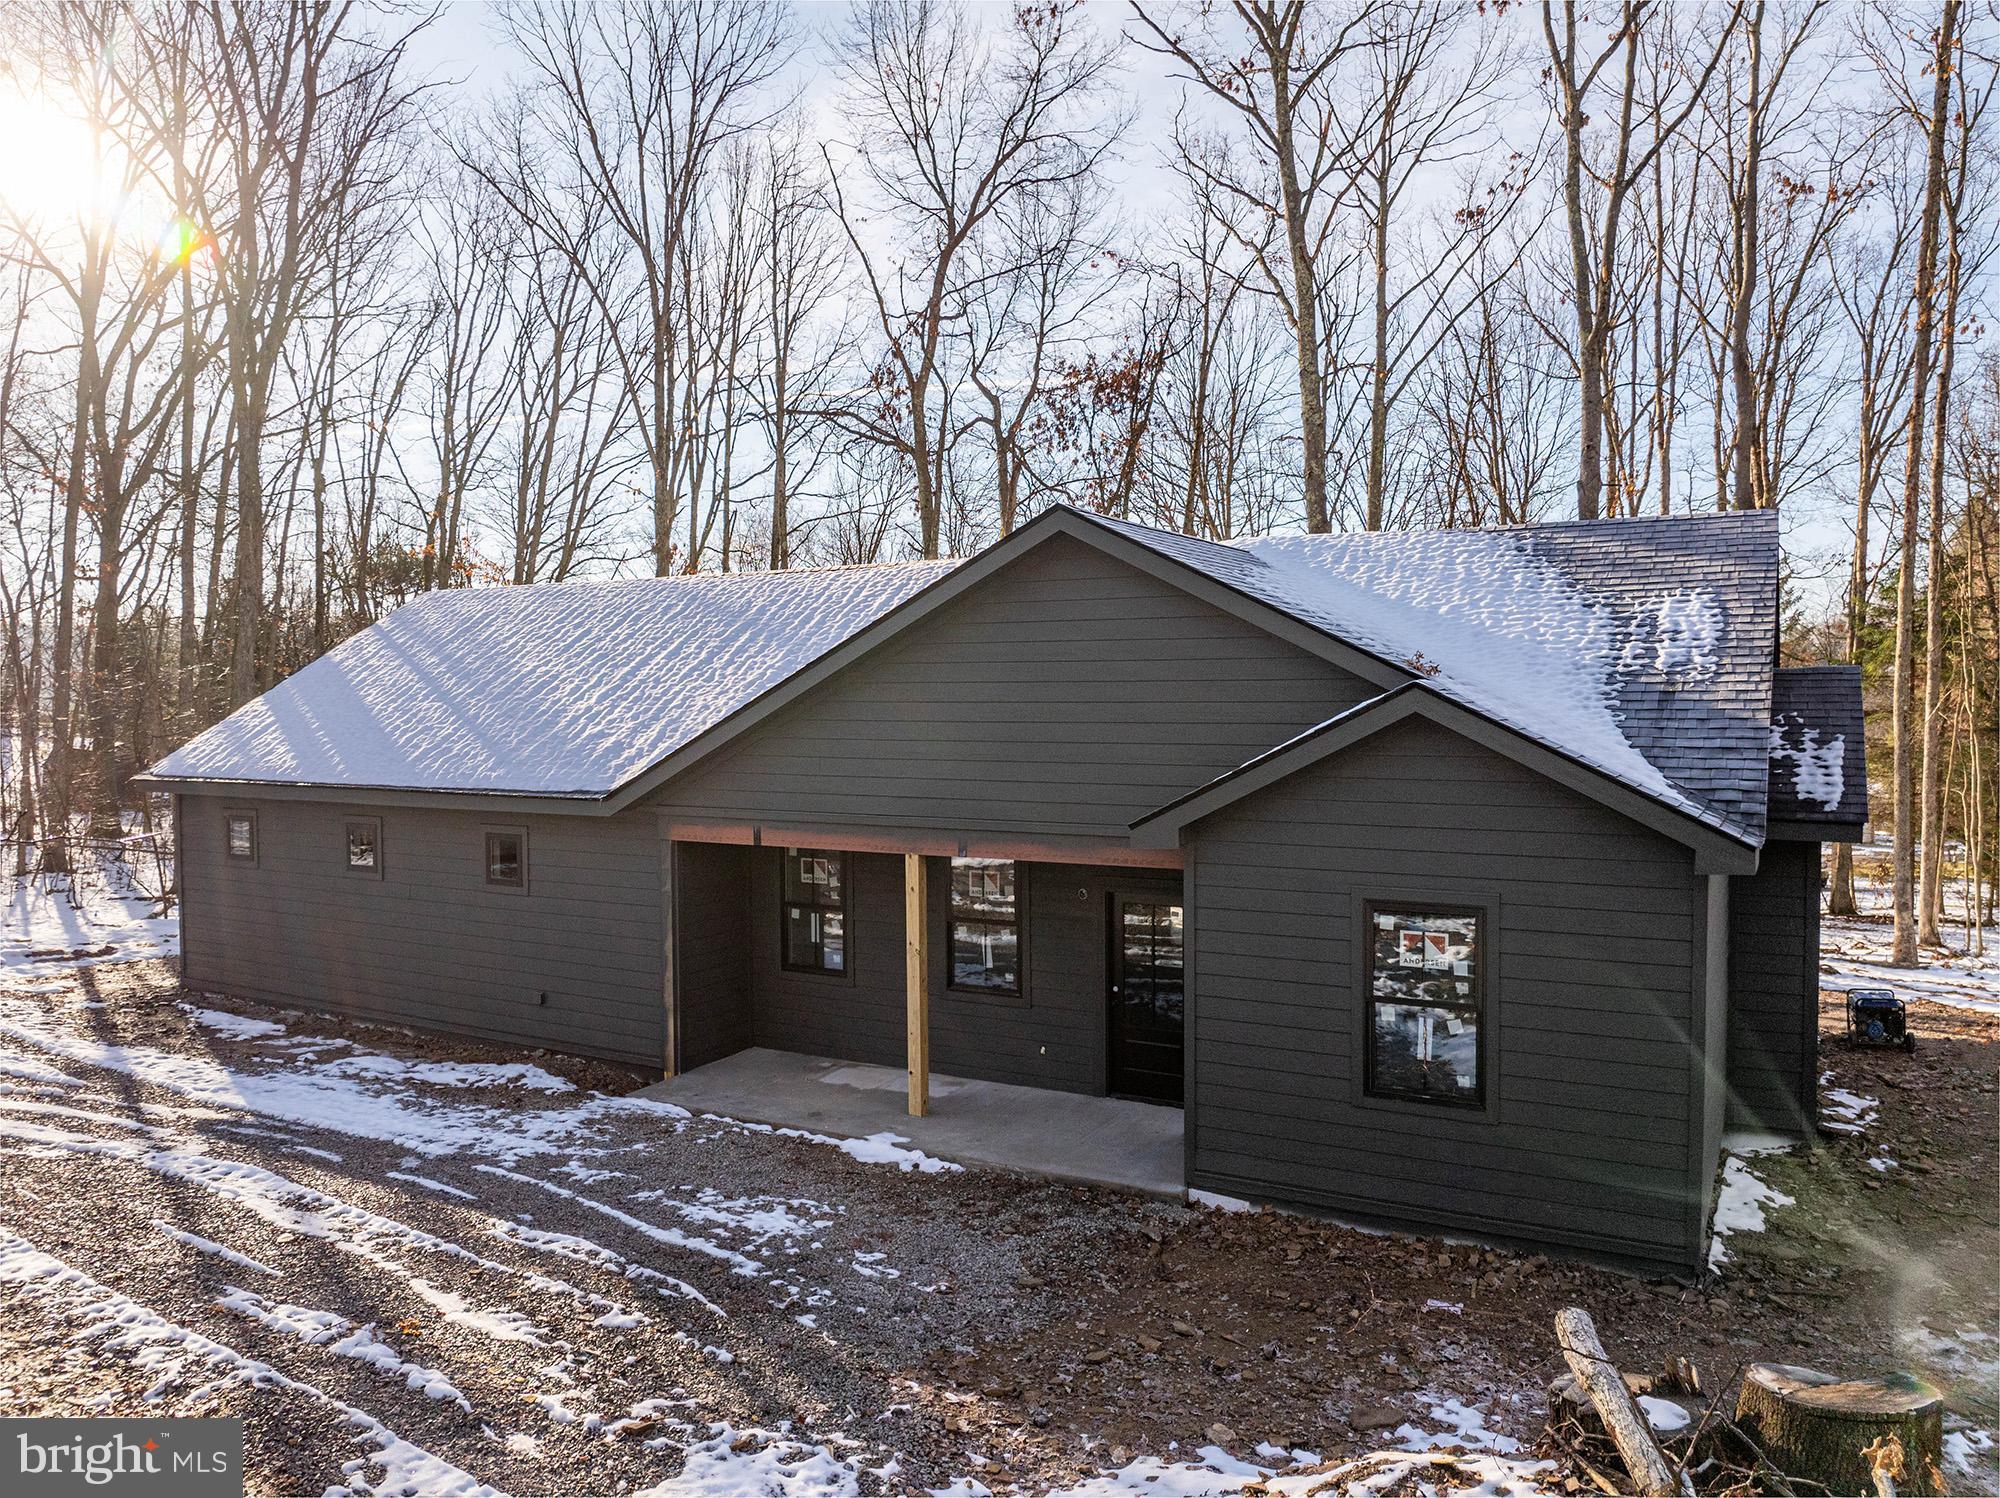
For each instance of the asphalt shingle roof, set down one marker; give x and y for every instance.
(1642, 648)
(1819, 755)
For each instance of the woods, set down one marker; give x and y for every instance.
(300, 322)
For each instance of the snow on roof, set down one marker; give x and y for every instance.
(567, 689)
(1819, 764)
(1641, 647)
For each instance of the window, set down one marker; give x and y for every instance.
(1425, 981)
(507, 858)
(985, 926)
(815, 913)
(364, 846)
(242, 836)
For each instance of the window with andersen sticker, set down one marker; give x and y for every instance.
(1426, 986)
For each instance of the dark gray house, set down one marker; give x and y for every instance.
(1460, 879)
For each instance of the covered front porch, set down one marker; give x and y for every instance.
(1008, 1003)
(1061, 1135)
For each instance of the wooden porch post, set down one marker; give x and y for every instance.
(916, 982)
(669, 983)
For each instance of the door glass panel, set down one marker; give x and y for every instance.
(1148, 1001)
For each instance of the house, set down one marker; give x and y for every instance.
(1464, 880)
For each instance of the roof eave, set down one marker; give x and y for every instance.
(538, 803)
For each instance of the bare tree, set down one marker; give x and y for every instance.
(1594, 234)
(1272, 63)
(627, 107)
(953, 124)
(1935, 122)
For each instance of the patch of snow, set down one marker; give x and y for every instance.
(561, 689)
(39, 928)
(1456, 1307)
(235, 1026)
(430, 1185)
(876, 1149)
(1214, 1473)
(1963, 1448)
(167, 1352)
(732, 1463)
(1501, 628)
(1750, 1143)
(1663, 1414)
(448, 1073)
(1739, 1207)
(1819, 772)
(1216, 1202)
(1883, 1163)
(1847, 1112)
(1855, 953)
(738, 1263)
(321, 1328)
(212, 1248)
(1462, 1425)
(1682, 631)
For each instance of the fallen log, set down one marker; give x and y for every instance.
(1829, 1431)
(1576, 1334)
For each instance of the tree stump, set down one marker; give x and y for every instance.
(1817, 1427)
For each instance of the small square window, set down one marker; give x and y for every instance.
(242, 836)
(507, 858)
(364, 845)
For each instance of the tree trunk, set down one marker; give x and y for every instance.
(1305, 293)
(1930, 890)
(1904, 953)
(1741, 369)
(1840, 886)
(1605, 1385)
(1813, 1426)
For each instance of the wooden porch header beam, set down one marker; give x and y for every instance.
(1114, 852)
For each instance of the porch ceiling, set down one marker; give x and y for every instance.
(1062, 1135)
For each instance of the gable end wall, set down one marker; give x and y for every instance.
(1594, 998)
(1068, 695)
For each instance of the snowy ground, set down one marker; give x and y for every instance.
(1854, 950)
(460, 1277)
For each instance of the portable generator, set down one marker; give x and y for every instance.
(1875, 1016)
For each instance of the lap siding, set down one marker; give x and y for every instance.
(429, 944)
(1593, 1040)
(1773, 1060)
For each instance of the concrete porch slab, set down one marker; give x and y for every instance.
(1067, 1137)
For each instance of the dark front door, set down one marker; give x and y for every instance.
(1148, 998)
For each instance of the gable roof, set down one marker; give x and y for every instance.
(1819, 754)
(1716, 851)
(1641, 649)
(559, 690)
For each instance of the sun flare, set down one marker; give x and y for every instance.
(55, 171)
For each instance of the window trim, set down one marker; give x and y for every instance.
(845, 972)
(256, 854)
(347, 824)
(1016, 996)
(486, 834)
(1437, 897)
